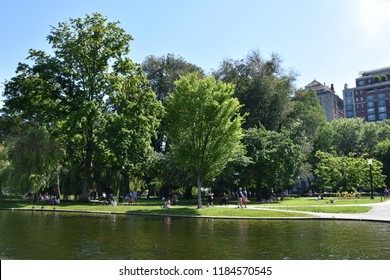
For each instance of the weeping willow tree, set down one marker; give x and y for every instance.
(34, 161)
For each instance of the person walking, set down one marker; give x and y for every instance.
(210, 198)
(239, 198)
(134, 197)
(244, 197)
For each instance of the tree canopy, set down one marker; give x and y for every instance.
(203, 126)
(88, 90)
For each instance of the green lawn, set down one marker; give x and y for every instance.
(188, 207)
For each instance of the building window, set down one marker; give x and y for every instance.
(349, 114)
(382, 116)
(361, 83)
(381, 96)
(370, 98)
(348, 94)
(371, 111)
(371, 118)
(349, 107)
(370, 104)
(382, 109)
(382, 103)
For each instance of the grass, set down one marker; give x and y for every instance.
(188, 207)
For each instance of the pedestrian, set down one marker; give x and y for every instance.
(239, 196)
(135, 197)
(210, 198)
(244, 197)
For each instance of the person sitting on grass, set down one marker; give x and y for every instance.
(167, 203)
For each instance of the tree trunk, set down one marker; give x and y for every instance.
(98, 182)
(88, 165)
(58, 191)
(188, 192)
(259, 190)
(125, 186)
(199, 181)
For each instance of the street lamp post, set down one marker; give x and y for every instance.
(370, 164)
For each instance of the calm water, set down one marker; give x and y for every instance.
(46, 235)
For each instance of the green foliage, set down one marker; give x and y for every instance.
(262, 87)
(347, 174)
(34, 158)
(89, 96)
(275, 160)
(203, 126)
(162, 73)
(348, 134)
(382, 153)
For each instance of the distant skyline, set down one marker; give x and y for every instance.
(327, 40)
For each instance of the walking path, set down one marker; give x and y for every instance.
(379, 212)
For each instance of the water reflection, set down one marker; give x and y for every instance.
(54, 235)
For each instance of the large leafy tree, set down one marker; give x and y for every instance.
(347, 136)
(162, 73)
(203, 126)
(35, 159)
(346, 173)
(275, 160)
(88, 85)
(262, 87)
(305, 125)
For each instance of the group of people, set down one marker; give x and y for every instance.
(241, 195)
(52, 199)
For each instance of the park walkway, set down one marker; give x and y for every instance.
(379, 212)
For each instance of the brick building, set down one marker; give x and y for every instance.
(370, 98)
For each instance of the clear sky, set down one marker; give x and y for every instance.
(327, 40)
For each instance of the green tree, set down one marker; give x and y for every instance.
(346, 173)
(382, 153)
(324, 139)
(305, 124)
(162, 73)
(4, 167)
(87, 86)
(34, 158)
(262, 87)
(347, 136)
(203, 126)
(274, 160)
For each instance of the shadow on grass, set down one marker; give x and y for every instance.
(180, 211)
(13, 203)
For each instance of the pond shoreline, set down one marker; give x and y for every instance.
(364, 217)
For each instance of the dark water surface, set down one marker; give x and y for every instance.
(53, 235)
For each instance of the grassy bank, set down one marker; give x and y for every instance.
(188, 207)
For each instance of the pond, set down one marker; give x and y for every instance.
(65, 236)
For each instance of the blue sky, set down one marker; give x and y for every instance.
(329, 40)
